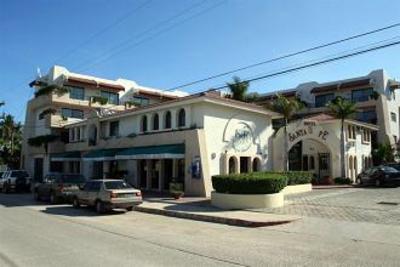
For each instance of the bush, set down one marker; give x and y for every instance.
(340, 180)
(250, 183)
(298, 177)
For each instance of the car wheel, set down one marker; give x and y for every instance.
(378, 183)
(75, 203)
(129, 208)
(99, 207)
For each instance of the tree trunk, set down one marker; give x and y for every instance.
(286, 154)
(342, 153)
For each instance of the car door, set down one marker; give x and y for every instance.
(45, 187)
(84, 193)
(94, 192)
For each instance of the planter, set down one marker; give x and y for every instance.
(295, 189)
(241, 201)
(176, 195)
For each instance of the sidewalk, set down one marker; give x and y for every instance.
(200, 209)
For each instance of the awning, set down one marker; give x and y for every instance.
(101, 154)
(174, 151)
(66, 156)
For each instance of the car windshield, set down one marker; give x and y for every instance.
(116, 185)
(396, 166)
(388, 169)
(19, 174)
(73, 178)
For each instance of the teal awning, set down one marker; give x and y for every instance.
(174, 151)
(66, 156)
(101, 154)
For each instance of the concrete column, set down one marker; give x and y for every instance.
(149, 166)
(174, 168)
(161, 175)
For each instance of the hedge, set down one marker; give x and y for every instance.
(340, 180)
(249, 183)
(299, 177)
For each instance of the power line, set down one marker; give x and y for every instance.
(285, 56)
(286, 71)
(126, 44)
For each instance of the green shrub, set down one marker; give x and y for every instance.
(249, 183)
(340, 180)
(298, 177)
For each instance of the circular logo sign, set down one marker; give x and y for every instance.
(243, 138)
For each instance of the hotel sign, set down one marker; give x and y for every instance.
(293, 136)
(243, 138)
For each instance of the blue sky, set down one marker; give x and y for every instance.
(149, 47)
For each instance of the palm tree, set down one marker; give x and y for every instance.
(342, 109)
(287, 107)
(10, 133)
(238, 88)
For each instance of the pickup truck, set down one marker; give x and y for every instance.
(15, 180)
(107, 194)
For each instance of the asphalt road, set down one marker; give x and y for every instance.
(33, 234)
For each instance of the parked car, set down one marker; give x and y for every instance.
(379, 176)
(394, 165)
(108, 194)
(15, 180)
(58, 187)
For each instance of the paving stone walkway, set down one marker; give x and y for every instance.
(374, 205)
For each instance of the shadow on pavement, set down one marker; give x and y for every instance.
(18, 199)
(81, 212)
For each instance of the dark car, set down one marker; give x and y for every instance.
(15, 180)
(58, 187)
(394, 165)
(379, 176)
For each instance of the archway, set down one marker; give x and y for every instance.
(232, 165)
(311, 155)
(256, 165)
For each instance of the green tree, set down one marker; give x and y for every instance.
(10, 140)
(238, 89)
(287, 107)
(342, 109)
(384, 153)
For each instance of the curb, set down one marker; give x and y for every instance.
(210, 218)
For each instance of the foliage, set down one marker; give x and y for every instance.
(249, 183)
(286, 106)
(298, 177)
(252, 97)
(46, 112)
(42, 140)
(340, 180)
(52, 88)
(374, 95)
(10, 140)
(238, 88)
(176, 187)
(100, 99)
(341, 108)
(384, 153)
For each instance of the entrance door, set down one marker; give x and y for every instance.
(244, 164)
(143, 173)
(38, 169)
(155, 173)
(324, 168)
(167, 173)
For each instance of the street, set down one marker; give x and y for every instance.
(37, 234)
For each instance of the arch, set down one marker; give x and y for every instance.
(143, 124)
(181, 118)
(167, 120)
(355, 166)
(232, 165)
(256, 165)
(156, 122)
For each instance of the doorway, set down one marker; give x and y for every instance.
(143, 173)
(38, 169)
(168, 163)
(244, 164)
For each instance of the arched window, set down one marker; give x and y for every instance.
(167, 120)
(256, 165)
(312, 163)
(156, 122)
(181, 118)
(232, 165)
(143, 124)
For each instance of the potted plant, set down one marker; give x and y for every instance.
(176, 189)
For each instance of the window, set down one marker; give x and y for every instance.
(114, 128)
(71, 113)
(167, 120)
(143, 124)
(155, 122)
(366, 136)
(181, 118)
(322, 100)
(361, 95)
(112, 98)
(368, 116)
(232, 165)
(393, 116)
(140, 100)
(351, 132)
(76, 93)
(395, 139)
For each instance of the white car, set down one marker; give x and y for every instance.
(107, 194)
(15, 180)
